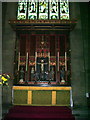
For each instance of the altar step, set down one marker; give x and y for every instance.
(39, 113)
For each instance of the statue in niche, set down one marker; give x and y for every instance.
(21, 75)
(42, 69)
(51, 74)
(62, 74)
(32, 73)
(42, 65)
(46, 75)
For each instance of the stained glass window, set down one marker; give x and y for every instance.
(43, 9)
(64, 9)
(53, 9)
(22, 9)
(32, 10)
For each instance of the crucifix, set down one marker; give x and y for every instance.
(42, 65)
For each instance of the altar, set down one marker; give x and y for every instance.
(42, 95)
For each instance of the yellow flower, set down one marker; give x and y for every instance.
(0, 83)
(4, 79)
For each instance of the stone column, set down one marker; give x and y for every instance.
(0, 59)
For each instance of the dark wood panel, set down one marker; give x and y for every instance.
(32, 45)
(22, 45)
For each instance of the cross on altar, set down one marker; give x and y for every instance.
(42, 65)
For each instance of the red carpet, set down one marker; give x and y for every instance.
(39, 112)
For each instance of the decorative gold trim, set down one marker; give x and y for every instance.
(53, 25)
(53, 97)
(29, 97)
(39, 88)
(42, 21)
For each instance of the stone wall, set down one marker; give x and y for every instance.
(8, 45)
(0, 59)
(79, 49)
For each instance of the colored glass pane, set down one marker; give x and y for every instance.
(40, 10)
(64, 9)
(32, 10)
(54, 9)
(22, 9)
(43, 9)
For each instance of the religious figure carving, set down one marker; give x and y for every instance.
(21, 75)
(62, 73)
(32, 73)
(42, 65)
(52, 73)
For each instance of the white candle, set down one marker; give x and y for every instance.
(65, 61)
(26, 61)
(49, 59)
(18, 60)
(35, 61)
(58, 61)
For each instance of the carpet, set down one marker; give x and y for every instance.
(39, 113)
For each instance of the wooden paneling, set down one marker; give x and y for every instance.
(42, 97)
(63, 98)
(20, 96)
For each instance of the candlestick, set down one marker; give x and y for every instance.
(49, 59)
(65, 61)
(35, 61)
(18, 60)
(26, 61)
(58, 61)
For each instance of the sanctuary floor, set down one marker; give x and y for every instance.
(80, 113)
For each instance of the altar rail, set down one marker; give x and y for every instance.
(35, 95)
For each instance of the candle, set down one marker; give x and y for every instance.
(26, 61)
(49, 59)
(58, 61)
(35, 61)
(65, 61)
(18, 60)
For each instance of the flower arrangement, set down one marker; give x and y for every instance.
(4, 79)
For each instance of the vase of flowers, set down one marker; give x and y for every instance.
(4, 78)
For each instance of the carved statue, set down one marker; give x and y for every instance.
(21, 75)
(62, 73)
(32, 73)
(42, 65)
